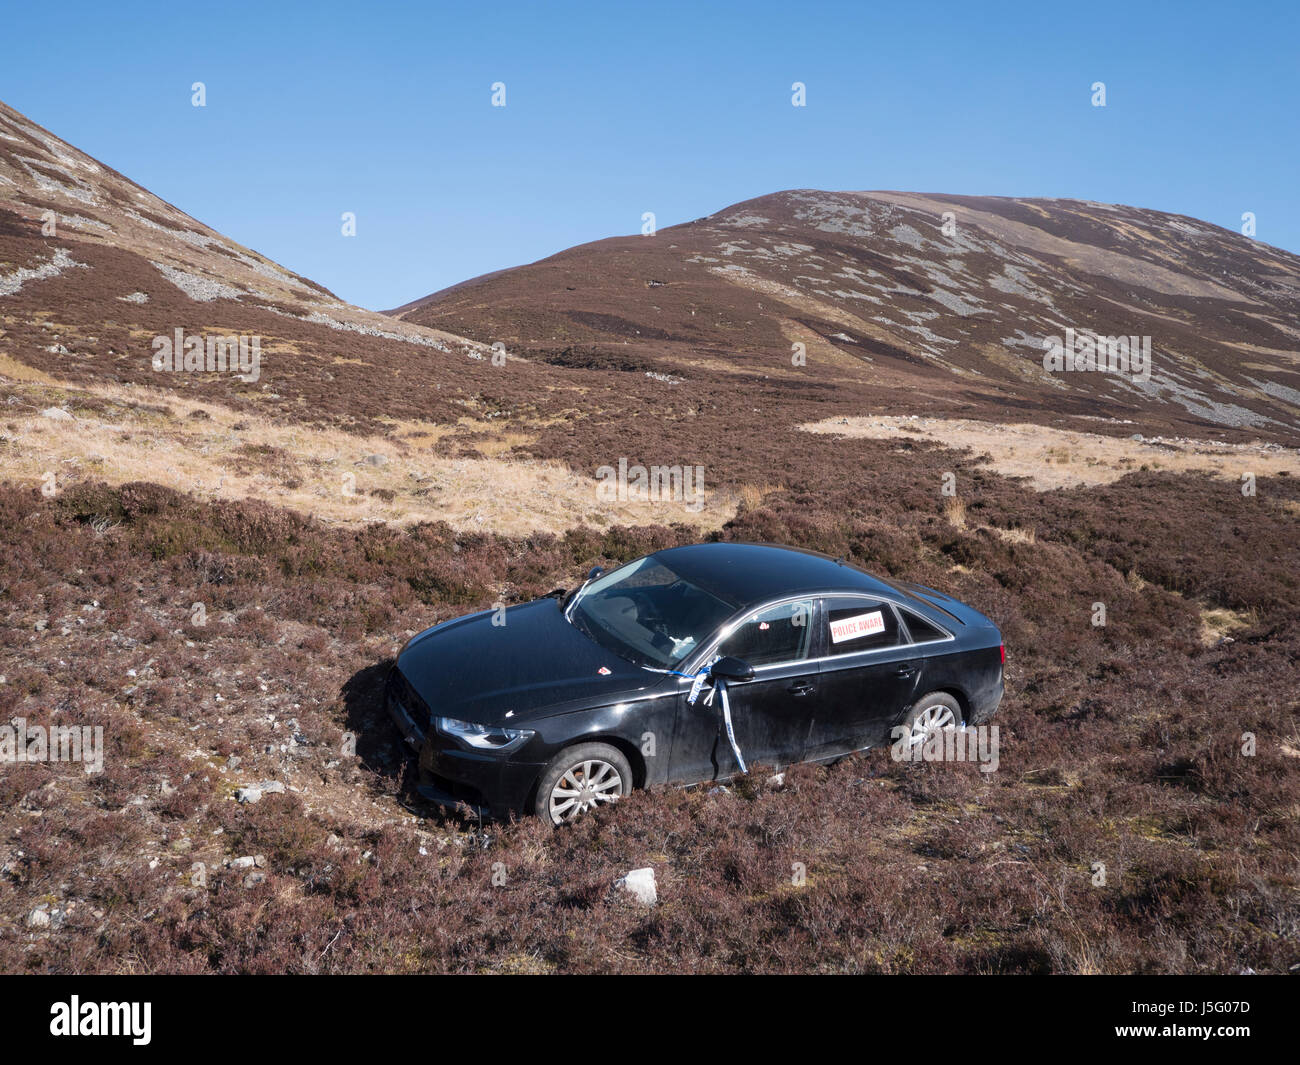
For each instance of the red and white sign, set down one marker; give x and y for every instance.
(857, 626)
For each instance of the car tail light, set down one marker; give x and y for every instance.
(1002, 650)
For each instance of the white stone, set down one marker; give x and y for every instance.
(640, 884)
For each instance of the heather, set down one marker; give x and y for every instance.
(1121, 746)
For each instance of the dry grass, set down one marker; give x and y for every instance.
(954, 509)
(18, 371)
(1061, 458)
(1219, 622)
(752, 496)
(1015, 536)
(462, 474)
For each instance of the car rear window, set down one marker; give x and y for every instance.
(920, 630)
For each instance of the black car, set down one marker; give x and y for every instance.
(687, 665)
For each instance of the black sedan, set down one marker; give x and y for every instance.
(685, 666)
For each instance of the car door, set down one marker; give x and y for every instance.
(771, 714)
(868, 675)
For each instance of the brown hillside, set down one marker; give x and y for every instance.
(897, 314)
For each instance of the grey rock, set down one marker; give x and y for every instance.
(640, 884)
(254, 792)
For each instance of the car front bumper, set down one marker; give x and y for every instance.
(408, 711)
(490, 785)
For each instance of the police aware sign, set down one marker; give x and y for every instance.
(857, 626)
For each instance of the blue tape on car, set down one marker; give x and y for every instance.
(720, 687)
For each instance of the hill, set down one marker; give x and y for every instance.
(922, 304)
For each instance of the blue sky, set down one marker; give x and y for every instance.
(676, 108)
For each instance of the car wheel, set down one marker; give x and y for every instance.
(580, 779)
(937, 710)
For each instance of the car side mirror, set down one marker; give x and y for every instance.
(596, 571)
(731, 669)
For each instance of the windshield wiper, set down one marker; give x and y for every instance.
(578, 622)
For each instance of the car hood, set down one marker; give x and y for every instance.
(535, 663)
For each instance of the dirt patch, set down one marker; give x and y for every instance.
(1061, 458)
(464, 474)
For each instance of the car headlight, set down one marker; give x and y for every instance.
(485, 737)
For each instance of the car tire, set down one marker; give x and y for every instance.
(935, 710)
(561, 795)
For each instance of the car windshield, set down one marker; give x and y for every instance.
(646, 613)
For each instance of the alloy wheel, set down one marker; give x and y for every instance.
(931, 719)
(583, 787)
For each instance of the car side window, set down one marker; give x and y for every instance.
(855, 625)
(772, 636)
(922, 631)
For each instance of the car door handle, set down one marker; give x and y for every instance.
(905, 671)
(801, 687)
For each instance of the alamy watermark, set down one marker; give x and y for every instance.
(960, 743)
(200, 353)
(77, 1018)
(21, 744)
(653, 484)
(1082, 350)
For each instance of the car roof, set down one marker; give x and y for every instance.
(747, 574)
